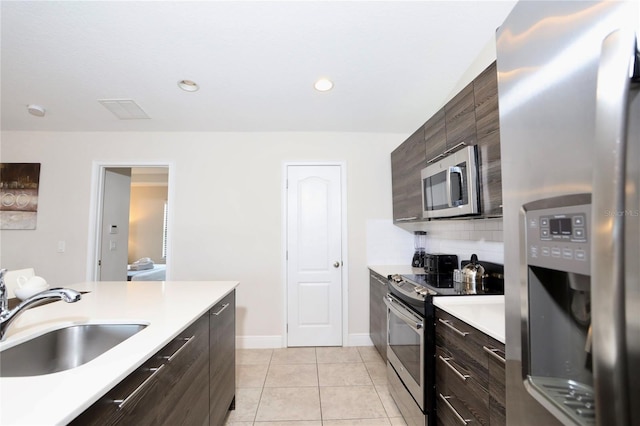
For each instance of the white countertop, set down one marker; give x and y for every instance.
(486, 313)
(168, 307)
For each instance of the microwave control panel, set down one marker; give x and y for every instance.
(558, 238)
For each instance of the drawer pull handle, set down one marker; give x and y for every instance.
(187, 340)
(448, 324)
(435, 158)
(445, 399)
(225, 306)
(495, 353)
(453, 148)
(464, 377)
(405, 219)
(384, 283)
(122, 402)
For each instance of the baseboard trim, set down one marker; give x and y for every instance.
(274, 342)
(359, 339)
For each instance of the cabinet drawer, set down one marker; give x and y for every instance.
(464, 343)
(120, 403)
(186, 388)
(497, 378)
(167, 389)
(455, 380)
(222, 349)
(452, 412)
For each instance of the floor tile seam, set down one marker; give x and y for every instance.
(255, 415)
(319, 396)
(344, 385)
(289, 387)
(381, 402)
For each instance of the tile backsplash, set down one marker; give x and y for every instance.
(388, 244)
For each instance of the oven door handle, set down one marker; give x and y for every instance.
(406, 316)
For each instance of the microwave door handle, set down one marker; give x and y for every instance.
(452, 170)
(449, 187)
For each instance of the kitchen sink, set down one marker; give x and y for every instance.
(63, 349)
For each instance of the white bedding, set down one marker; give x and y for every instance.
(158, 273)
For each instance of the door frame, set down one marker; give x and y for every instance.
(344, 269)
(95, 209)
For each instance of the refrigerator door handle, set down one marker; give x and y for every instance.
(608, 209)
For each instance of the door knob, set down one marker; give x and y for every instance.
(336, 264)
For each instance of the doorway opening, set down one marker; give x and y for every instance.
(131, 222)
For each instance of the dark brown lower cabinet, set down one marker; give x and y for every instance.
(191, 381)
(378, 313)
(186, 385)
(470, 374)
(222, 361)
(497, 387)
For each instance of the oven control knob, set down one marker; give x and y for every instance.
(421, 290)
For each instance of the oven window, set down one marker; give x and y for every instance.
(405, 343)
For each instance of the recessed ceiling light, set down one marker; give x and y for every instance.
(36, 110)
(188, 85)
(323, 85)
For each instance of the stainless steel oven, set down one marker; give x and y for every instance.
(405, 346)
(410, 367)
(411, 342)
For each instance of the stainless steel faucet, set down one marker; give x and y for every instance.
(7, 316)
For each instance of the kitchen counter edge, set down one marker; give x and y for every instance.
(168, 307)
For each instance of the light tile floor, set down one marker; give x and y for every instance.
(312, 387)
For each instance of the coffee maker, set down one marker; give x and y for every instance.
(419, 244)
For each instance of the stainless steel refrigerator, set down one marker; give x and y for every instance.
(570, 150)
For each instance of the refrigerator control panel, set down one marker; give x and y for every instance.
(558, 237)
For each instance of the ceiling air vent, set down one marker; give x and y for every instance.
(124, 109)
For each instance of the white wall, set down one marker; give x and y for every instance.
(146, 222)
(227, 208)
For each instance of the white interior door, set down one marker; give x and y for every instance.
(314, 255)
(114, 229)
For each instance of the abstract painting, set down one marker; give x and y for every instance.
(19, 195)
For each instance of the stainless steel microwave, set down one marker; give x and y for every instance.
(450, 186)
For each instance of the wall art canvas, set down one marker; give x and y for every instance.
(19, 195)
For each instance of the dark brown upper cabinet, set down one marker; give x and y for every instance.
(485, 89)
(470, 118)
(406, 163)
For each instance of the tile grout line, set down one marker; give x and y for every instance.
(361, 359)
(255, 416)
(319, 395)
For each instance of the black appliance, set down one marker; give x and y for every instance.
(411, 341)
(419, 244)
(439, 269)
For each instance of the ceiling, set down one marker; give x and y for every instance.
(393, 62)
